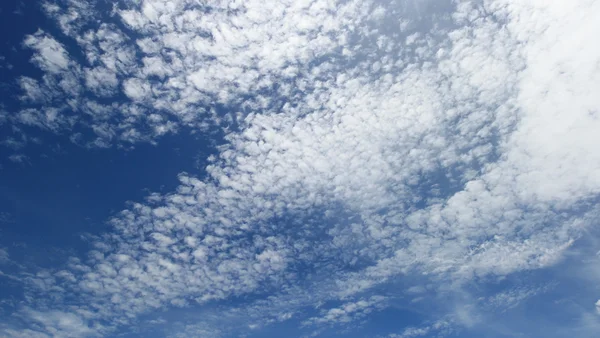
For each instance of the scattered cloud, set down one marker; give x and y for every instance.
(18, 158)
(437, 329)
(511, 298)
(361, 150)
(347, 312)
(3, 255)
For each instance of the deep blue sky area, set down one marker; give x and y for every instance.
(385, 169)
(65, 191)
(61, 190)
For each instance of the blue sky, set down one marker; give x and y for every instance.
(322, 168)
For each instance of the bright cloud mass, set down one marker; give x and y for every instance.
(322, 168)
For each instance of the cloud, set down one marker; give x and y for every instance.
(363, 152)
(50, 55)
(512, 298)
(60, 324)
(18, 158)
(177, 59)
(3, 256)
(347, 312)
(439, 328)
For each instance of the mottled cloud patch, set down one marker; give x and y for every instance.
(363, 152)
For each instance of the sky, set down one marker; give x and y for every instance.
(321, 168)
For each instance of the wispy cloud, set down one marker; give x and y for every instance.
(439, 328)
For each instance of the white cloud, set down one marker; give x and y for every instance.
(553, 146)
(439, 328)
(3, 253)
(177, 59)
(511, 298)
(18, 158)
(50, 55)
(61, 324)
(347, 312)
(101, 81)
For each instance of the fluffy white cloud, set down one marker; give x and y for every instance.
(179, 58)
(50, 55)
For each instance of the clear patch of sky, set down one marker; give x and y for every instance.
(64, 191)
(59, 190)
